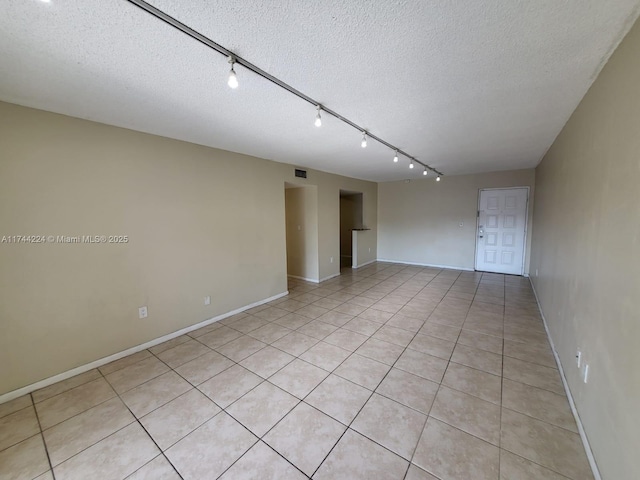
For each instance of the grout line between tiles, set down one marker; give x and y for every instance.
(374, 390)
(445, 371)
(46, 449)
(501, 392)
(136, 419)
(356, 415)
(63, 392)
(300, 401)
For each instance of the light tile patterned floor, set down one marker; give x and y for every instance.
(387, 372)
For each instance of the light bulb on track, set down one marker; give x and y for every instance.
(233, 80)
(438, 178)
(411, 164)
(318, 122)
(425, 171)
(363, 144)
(395, 157)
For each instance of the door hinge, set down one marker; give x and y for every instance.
(478, 215)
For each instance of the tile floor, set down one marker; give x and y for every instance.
(388, 372)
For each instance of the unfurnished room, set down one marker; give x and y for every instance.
(342, 240)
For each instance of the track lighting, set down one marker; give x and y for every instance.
(233, 80)
(438, 178)
(425, 172)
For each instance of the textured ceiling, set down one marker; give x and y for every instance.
(466, 86)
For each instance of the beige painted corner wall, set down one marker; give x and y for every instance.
(586, 248)
(301, 208)
(418, 222)
(200, 221)
(365, 242)
(329, 219)
(329, 187)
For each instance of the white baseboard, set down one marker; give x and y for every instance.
(365, 264)
(313, 280)
(116, 356)
(330, 277)
(449, 267)
(574, 410)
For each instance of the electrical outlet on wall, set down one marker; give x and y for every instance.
(142, 312)
(207, 300)
(330, 259)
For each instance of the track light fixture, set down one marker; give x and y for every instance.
(233, 80)
(411, 163)
(425, 172)
(438, 178)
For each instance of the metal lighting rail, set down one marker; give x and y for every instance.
(168, 19)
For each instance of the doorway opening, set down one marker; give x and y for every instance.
(301, 223)
(502, 230)
(350, 220)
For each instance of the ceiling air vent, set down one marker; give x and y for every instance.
(301, 173)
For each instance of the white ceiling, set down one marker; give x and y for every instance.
(466, 86)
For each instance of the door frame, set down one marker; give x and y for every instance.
(526, 228)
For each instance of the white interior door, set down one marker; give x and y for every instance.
(502, 223)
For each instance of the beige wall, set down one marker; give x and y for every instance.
(365, 247)
(200, 222)
(301, 207)
(418, 222)
(586, 248)
(328, 217)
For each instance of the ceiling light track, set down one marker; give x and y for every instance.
(168, 19)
